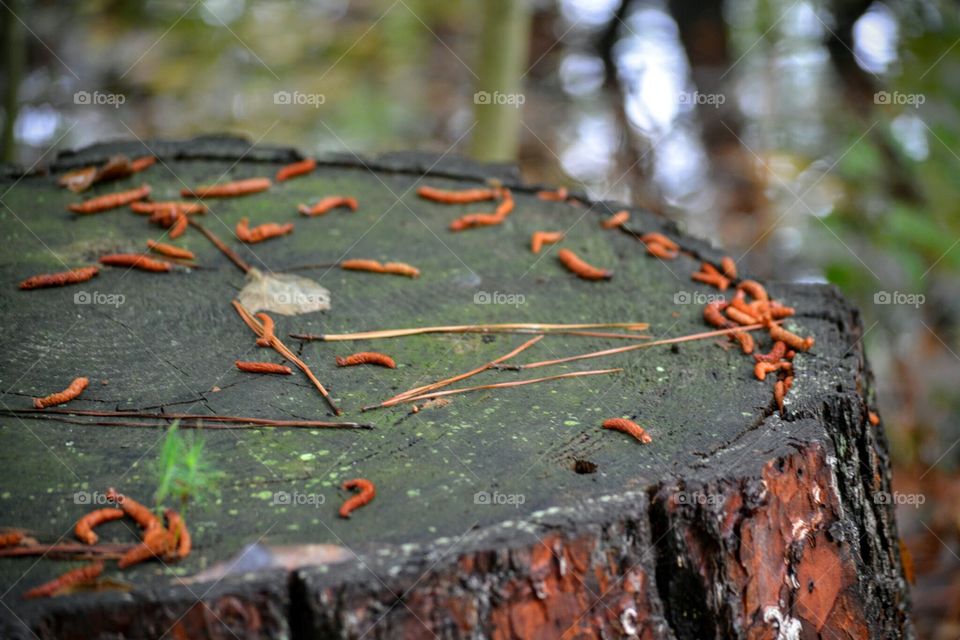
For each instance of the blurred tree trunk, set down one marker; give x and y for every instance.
(703, 33)
(504, 43)
(859, 86)
(608, 39)
(13, 71)
(857, 83)
(705, 36)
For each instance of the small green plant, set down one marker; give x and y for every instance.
(183, 471)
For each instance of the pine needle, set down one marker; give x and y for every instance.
(187, 420)
(507, 385)
(448, 381)
(633, 347)
(257, 327)
(468, 328)
(221, 245)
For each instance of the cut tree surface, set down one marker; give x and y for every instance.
(734, 522)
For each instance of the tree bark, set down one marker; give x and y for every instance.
(504, 42)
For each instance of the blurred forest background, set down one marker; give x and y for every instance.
(815, 140)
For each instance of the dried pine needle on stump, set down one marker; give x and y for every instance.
(508, 385)
(257, 327)
(510, 327)
(448, 381)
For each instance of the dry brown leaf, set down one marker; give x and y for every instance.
(260, 557)
(283, 293)
(78, 180)
(118, 166)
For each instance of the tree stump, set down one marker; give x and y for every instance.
(503, 514)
